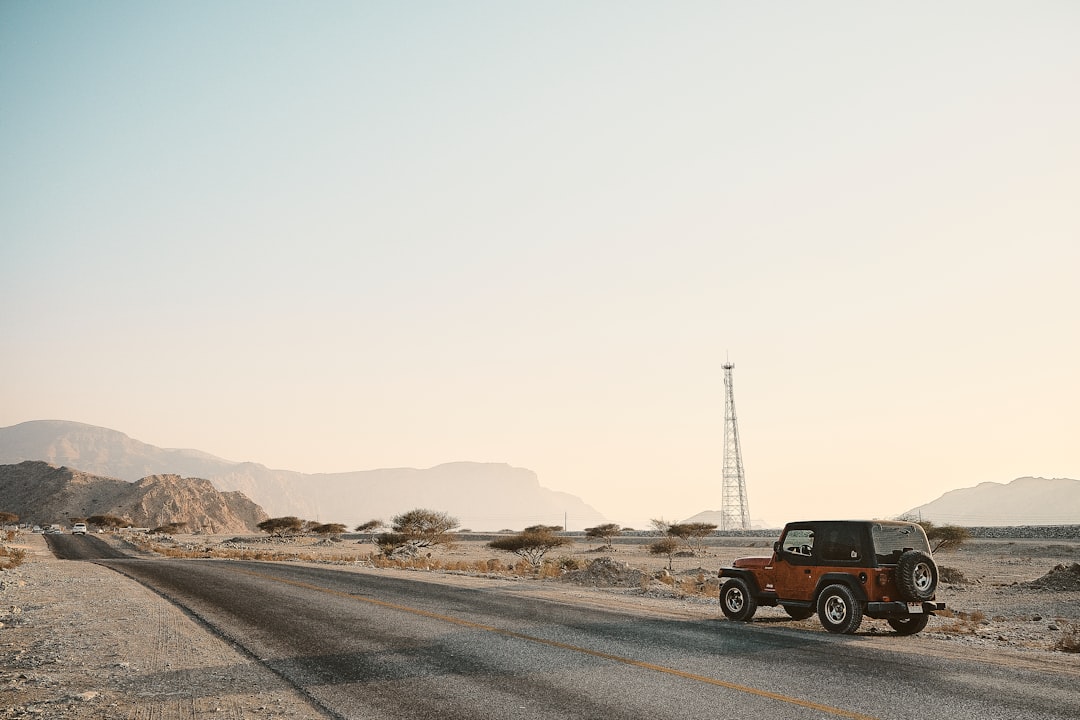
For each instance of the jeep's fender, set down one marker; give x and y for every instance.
(761, 598)
(746, 575)
(850, 581)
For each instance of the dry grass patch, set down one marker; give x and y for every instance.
(965, 623)
(1070, 640)
(11, 557)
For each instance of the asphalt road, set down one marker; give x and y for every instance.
(370, 646)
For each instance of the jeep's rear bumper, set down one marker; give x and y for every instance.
(896, 608)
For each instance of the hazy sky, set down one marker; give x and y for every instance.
(344, 236)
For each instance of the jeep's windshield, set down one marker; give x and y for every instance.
(890, 541)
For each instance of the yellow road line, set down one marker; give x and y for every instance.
(837, 712)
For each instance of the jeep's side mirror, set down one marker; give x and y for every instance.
(776, 547)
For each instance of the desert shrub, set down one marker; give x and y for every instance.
(1070, 639)
(687, 586)
(606, 532)
(282, 526)
(944, 537)
(964, 623)
(532, 543)
(951, 576)
(11, 557)
(423, 528)
(548, 569)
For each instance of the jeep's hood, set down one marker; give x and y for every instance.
(752, 562)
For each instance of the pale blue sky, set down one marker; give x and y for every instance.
(341, 236)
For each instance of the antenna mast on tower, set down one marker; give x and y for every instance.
(734, 512)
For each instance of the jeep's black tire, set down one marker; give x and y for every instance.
(839, 610)
(916, 576)
(909, 625)
(798, 613)
(737, 600)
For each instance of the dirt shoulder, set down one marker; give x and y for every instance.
(81, 641)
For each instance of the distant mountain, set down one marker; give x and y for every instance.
(1024, 501)
(716, 517)
(483, 496)
(44, 494)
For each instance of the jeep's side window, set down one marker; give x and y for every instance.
(840, 544)
(799, 542)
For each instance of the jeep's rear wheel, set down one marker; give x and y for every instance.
(909, 625)
(839, 610)
(798, 613)
(737, 601)
(916, 576)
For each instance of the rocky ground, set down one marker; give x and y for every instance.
(80, 641)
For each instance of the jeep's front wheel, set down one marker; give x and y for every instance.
(737, 601)
(909, 625)
(916, 575)
(839, 610)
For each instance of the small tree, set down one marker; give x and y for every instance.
(660, 527)
(390, 541)
(664, 546)
(945, 536)
(606, 532)
(108, 521)
(425, 528)
(282, 526)
(328, 529)
(419, 528)
(532, 543)
(370, 527)
(692, 534)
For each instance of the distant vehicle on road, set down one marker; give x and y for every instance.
(78, 529)
(37, 529)
(54, 530)
(843, 569)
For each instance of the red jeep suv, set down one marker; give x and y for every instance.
(843, 570)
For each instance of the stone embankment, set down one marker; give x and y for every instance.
(1010, 532)
(1028, 532)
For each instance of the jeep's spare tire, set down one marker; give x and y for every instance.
(916, 576)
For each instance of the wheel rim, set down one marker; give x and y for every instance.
(734, 600)
(835, 609)
(924, 577)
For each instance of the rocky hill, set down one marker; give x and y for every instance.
(1024, 501)
(483, 496)
(44, 494)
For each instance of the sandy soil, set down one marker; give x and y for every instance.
(80, 641)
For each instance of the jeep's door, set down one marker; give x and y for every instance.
(793, 572)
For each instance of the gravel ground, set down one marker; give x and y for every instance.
(82, 641)
(79, 641)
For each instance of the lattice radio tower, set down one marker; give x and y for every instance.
(734, 512)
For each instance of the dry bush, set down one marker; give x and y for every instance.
(11, 557)
(1070, 639)
(966, 623)
(687, 586)
(549, 570)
